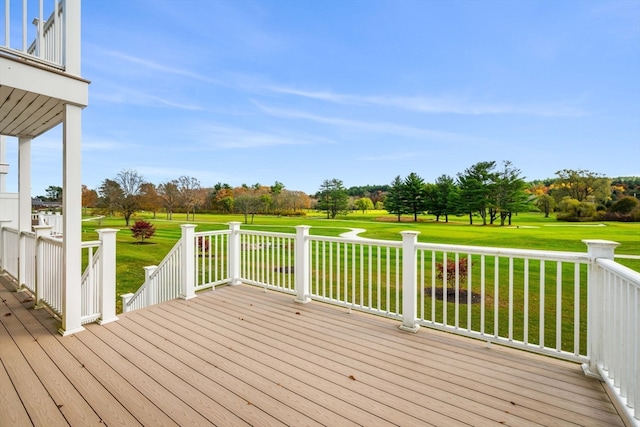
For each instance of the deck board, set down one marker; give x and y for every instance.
(239, 356)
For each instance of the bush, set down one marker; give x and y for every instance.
(293, 213)
(451, 271)
(625, 205)
(142, 230)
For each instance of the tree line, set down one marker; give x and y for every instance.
(486, 190)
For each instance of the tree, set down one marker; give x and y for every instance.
(545, 203)
(168, 192)
(276, 196)
(581, 184)
(222, 198)
(130, 182)
(247, 200)
(441, 197)
(476, 189)
(333, 198)
(189, 194)
(415, 195)
(89, 198)
(364, 204)
(394, 202)
(110, 195)
(150, 200)
(510, 195)
(142, 230)
(54, 193)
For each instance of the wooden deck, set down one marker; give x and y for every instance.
(240, 356)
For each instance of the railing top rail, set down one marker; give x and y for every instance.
(267, 233)
(90, 244)
(581, 257)
(626, 273)
(53, 240)
(212, 232)
(357, 240)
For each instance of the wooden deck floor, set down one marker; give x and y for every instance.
(239, 356)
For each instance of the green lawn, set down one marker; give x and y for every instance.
(530, 231)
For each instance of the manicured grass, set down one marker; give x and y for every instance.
(530, 231)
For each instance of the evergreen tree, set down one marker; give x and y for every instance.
(415, 195)
(333, 198)
(394, 202)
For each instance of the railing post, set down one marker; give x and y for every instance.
(125, 298)
(234, 253)
(595, 315)
(409, 282)
(301, 264)
(40, 230)
(107, 287)
(188, 261)
(149, 287)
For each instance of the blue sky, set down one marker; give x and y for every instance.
(303, 91)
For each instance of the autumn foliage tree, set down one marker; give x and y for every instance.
(143, 230)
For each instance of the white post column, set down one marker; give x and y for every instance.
(409, 282)
(72, 219)
(107, 275)
(72, 37)
(24, 201)
(234, 253)
(595, 316)
(188, 261)
(301, 264)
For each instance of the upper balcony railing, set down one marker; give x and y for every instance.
(42, 31)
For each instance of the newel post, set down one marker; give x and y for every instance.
(149, 286)
(188, 261)
(409, 282)
(107, 275)
(40, 230)
(234, 253)
(301, 264)
(596, 295)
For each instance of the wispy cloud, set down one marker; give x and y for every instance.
(365, 126)
(393, 156)
(129, 96)
(436, 105)
(159, 67)
(232, 137)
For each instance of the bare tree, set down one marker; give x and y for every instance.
(190, 194)
(130, 183)
(169, 193)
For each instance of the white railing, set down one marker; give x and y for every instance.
(55, 221)
(522, 298)
(356, 273)
(90, 283)
(211, 263)
(10, 250)
(48, 287)
(162, 282)
(266, 259)
(28, 279)
(576, 306)
(617, 347)
(33, 31)
(39, 270)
